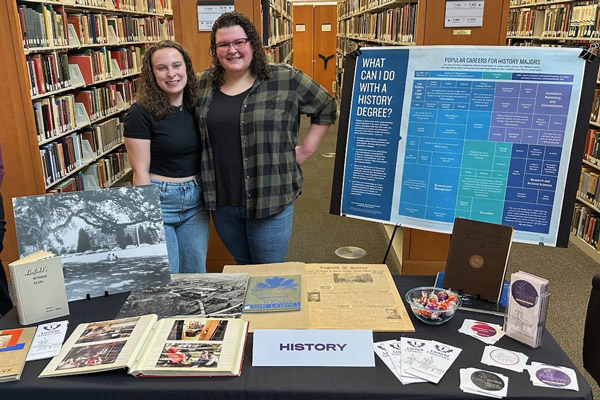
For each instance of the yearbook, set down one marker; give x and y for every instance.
(14, 345)
(39, 287)
(146, 346)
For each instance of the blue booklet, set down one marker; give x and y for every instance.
(273, 293)
(472, 303)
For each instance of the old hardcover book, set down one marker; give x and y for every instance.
(39, 287)
(14, 345)
(477, 258)
(273, 293)
(146, 346)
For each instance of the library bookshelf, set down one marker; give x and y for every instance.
(363, 23)
(277, 30)
(568, 23)
(72, 66)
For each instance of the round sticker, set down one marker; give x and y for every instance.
(524, 293)
(483, 330)
(476, 261)
(504, 357)
(553, 377)
(487, 381)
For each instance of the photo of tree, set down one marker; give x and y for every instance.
(108, 239)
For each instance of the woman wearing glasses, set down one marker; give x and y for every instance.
(164, 149)
(248, 112)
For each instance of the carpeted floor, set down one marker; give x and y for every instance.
(317, 234)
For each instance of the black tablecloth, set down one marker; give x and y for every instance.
(302, 383)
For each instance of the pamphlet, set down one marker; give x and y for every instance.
(381, 351)
(48, 340)
(433, 363)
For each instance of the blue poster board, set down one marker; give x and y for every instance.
(486, 133)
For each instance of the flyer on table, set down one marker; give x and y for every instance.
(484, 133)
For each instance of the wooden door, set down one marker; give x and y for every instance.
(325, 31)
(302, 39)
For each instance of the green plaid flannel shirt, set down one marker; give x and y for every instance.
(269, 123)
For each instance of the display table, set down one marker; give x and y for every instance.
(302, 383)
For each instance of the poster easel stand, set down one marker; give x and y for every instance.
(387, 251)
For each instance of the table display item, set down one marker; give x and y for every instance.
(477, 304)
(48, 340)
(216, 295)
(435, 360)
(485, 331)
(483, 383)
(109, 240)
(39, 287)
(14, 345)
(504, 358)
(273, 293)
(477, 258)
(527, 307)
(433, 305)
(147, 346)
(551, 376)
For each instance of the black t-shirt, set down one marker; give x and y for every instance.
(223, 121)
(175, 149)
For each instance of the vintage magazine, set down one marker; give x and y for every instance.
(14, 345)
(39, 287)
(273, 293)
(335, 296)
(147, 346)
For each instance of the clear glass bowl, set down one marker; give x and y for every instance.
(432, 312)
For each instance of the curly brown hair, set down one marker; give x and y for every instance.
(259, 67)
(151, 96)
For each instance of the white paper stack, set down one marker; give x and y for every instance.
(527, 306)
(551, 376)
(503, 358)
(433, 363)
(486, 332)
(484, 383)
(381, 351)
(411, 350)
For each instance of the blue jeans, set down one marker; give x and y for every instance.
(254, 240)
(186, 223)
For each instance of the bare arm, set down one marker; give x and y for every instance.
(311, 142)
(139, 157)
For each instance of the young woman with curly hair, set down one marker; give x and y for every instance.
(164, 149)
(248, 115)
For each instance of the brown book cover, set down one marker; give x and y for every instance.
(477, 258)
(14, 345)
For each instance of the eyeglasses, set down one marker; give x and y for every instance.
(237, 44)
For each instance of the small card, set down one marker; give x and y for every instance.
(313, 348)
(381, 351)
(434, 362)
(486, 332)
(551, 376)
(498, 357)
(47, 341)
(485, 383)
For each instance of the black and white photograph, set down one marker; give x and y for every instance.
(109, 240)
(208, 295)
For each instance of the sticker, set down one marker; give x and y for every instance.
(487, 381)
(553, 377)
(524, 293)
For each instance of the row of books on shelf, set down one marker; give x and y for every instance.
(46, 25)
(102, 173)
(350, 7)
(277, 28)
(589, 186)
(396, 24)
(284, 7)
(64, 155)
(586, 224)
(53, 71)
(564, 20)
(595, 113)
(281, 53)
(147, 6)
(56, 115)
(591, 151)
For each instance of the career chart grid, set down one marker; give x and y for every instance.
(485, 146)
